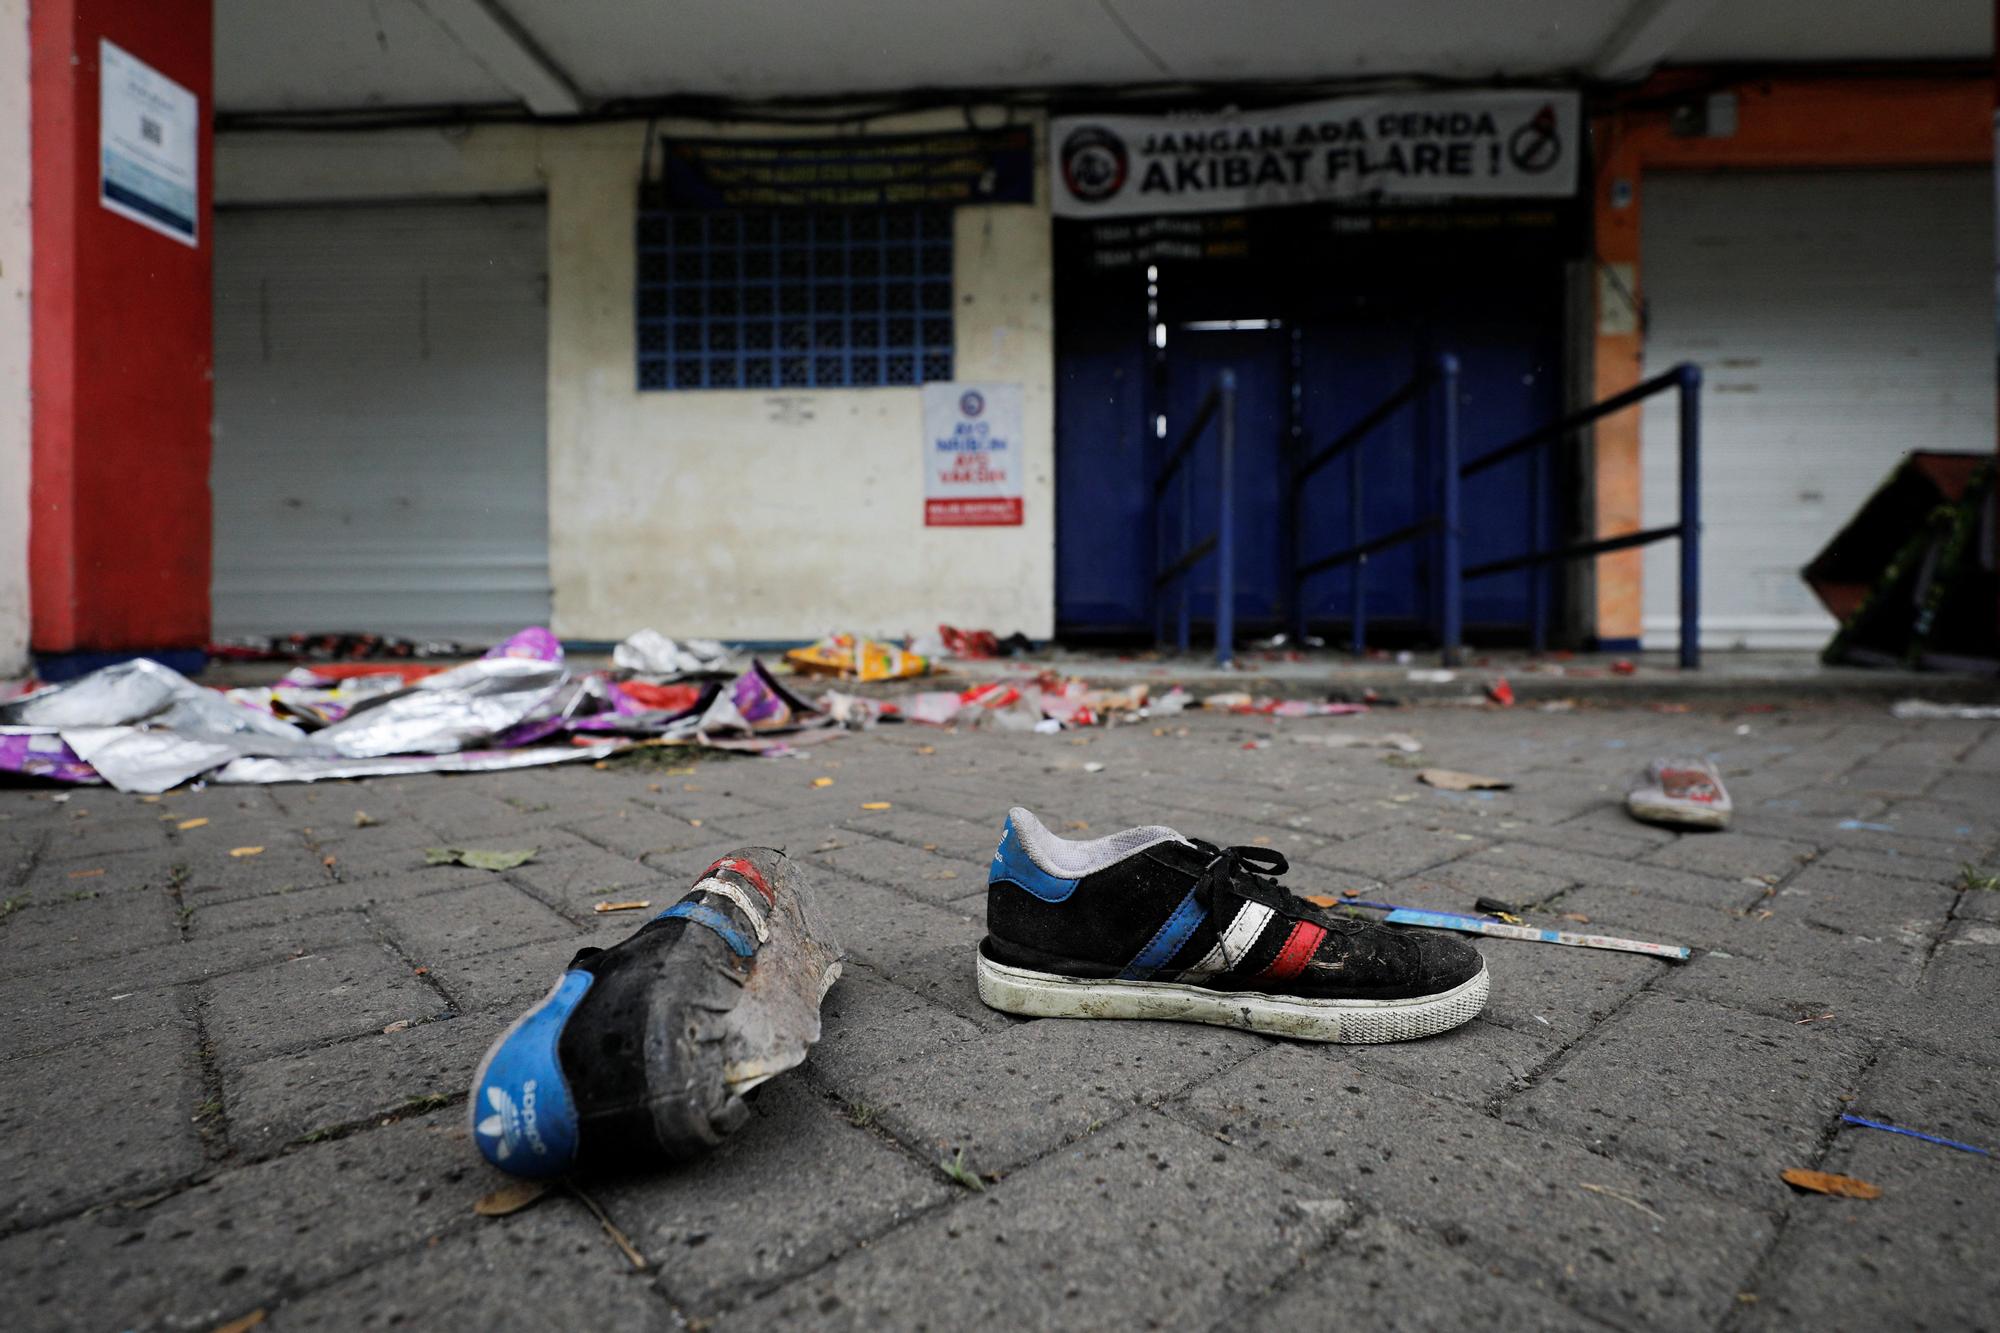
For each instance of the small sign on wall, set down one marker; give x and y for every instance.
(149, 145)
(972, 455)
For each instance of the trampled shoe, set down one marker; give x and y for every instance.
(641, 1053)
(1150, 924)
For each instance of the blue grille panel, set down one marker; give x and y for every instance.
(793, 299)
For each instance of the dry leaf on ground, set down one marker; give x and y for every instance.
(510, 1198)
(1825, 1182)
(478, 858)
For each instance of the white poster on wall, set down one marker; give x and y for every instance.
(972, 455)
(1402, 146)
(149, 145)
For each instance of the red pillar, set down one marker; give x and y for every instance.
(118, 537)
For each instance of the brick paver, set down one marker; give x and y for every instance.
(236, 1083)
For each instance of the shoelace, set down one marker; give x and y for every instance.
(1245, 873)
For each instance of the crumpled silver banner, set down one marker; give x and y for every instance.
(314, 769)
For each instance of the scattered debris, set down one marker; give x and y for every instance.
(511, 1198)
(1339, 740)
(1432, 677)
(187, 824)
(246, 851)
(1863, 826)
(822, 782)
(638, 904)
(362, 819)
(1093, 767)
(1628, 1200)
(243, 1323)
(651, 653)
(1816, 1018)
(857, 658)
(877, 805)
(1624, 666)
(1500, 692)
(618, 1238)
(1479, 925)
(1916, 1134)
(1450, 779)
(1825, 1182)
(1924, 708)
(1680, 793)
(478, 858)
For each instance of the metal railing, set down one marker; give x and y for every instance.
(1440, 373)
(1686, 379)
(1218, 406)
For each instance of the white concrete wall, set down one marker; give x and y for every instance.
(717, 512)
(16, 238)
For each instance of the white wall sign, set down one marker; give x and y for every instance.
(972, 455)
(149, 145)
(1511, 143)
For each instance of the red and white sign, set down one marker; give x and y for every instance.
(972, 455)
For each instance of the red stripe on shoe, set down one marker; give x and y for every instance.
(747, 871)
(1292, 955)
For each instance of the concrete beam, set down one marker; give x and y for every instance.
(506, 50)
(1650, 32)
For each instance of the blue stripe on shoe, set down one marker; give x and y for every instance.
(701, 914)
(1012, 865)
(1167, 941)
(523, 1117)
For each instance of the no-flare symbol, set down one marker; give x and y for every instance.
(1536, 146)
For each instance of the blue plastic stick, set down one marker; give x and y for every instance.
(1916, 1134)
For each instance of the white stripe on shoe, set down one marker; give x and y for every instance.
(752, 907)
(1235, 943)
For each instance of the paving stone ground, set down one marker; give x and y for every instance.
(236, 1083)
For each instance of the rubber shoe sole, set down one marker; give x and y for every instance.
(1017, 990)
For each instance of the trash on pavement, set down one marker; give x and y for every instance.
(1911, 576)
(856, 658)
(1924, 708)
(644, 1051)
(1680, 793)
(1825, 1182)
(479, 858)
(38, 752)
(651, 653)
(1432, 677)
(1866, 1123)
(1479, 925)
(1340, 740)
(634, 905)
(1500, 692)
(1450, 779)
(969, 642)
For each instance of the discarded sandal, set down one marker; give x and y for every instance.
(1149, 924)
(1680, 793)
(643, 1051)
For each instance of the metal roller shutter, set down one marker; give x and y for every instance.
(380, 384)
(1842, 319)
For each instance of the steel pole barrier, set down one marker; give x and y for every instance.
(1690, 412)
(1356, 516)
(1452, 557)
(1225, 554)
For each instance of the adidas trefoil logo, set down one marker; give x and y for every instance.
(507, 1124)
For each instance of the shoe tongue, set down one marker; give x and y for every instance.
(1190, 857)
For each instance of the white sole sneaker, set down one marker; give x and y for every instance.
(1016, 990)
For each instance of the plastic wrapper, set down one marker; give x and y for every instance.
(651, 653)
(858, 659)
(317, 768)
(38, 752)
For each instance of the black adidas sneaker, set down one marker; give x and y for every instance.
(642, 1052)
(1149, 924)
